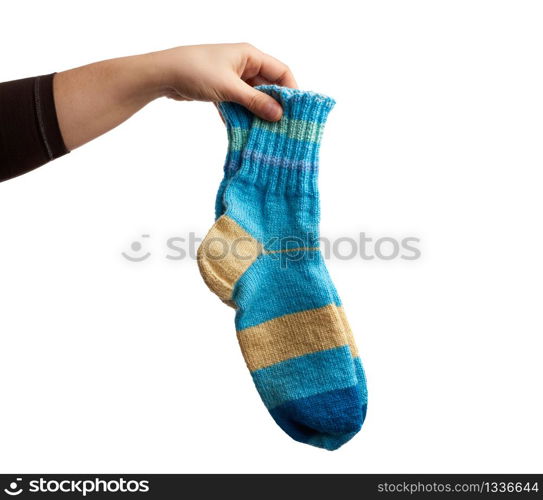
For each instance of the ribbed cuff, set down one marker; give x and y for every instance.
(285, 154)
(234, 115)
(293, 141)
(300, 104)
(238, 121)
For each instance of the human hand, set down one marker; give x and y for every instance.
(93, 99)
(222, 72)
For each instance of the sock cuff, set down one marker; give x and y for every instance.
(235, 115)
(293, 141)
(238, 122)
(300, 104)
(287, 152)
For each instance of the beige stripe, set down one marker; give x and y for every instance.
(348, 332)
(290, 336)
(225, 254)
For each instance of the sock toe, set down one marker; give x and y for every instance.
(327, 420)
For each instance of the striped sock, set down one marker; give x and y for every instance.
(292, 329)
(238, 122)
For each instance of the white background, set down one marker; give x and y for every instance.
(110, 366)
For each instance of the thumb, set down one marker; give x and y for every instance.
(259, 103)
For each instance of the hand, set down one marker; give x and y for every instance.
(222, 72)
(93, 99)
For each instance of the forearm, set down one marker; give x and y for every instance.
(42, 118)
(93, 99)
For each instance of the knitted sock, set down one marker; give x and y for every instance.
(294, 338)
(238, 121)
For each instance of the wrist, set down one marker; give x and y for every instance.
(150, 80)
(158, 72)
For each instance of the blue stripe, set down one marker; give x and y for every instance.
(235, 115)
(219, 201)
(268, 213)
(233, 162)
(295, 98)
(305, 376)
(293, 218)
(280, 290)
(327, 420)
(293, 113)
(268, 143)
(361, 377)
(330, 443)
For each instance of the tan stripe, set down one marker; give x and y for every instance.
(290, 336)
(225, 254)
(348, 332)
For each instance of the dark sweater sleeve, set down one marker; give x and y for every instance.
(29, 131)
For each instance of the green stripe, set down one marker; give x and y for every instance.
(300, 130)
(238, 138)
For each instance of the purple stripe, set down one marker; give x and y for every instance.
(276, 161)
(232, 166)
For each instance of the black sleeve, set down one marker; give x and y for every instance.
(29, 131)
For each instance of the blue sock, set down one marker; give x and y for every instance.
(262, 257)
(238, 122)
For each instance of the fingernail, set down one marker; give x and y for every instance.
(273, 111)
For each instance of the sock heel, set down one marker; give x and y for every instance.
(224, 255)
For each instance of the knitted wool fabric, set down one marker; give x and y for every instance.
(238, 121)
(291, 327)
